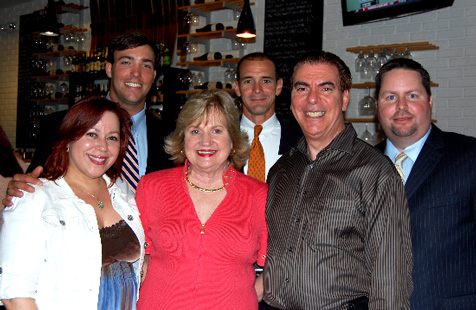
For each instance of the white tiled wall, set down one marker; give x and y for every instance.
(453, 66)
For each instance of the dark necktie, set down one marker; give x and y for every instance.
(130, 167)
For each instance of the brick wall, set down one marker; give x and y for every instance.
(453, 66)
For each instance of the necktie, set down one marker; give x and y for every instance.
(256, 163)
(399, 160)
(130, 166)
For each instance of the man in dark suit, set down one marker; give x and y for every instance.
(131, 67)
(258, 85)
(439, 172)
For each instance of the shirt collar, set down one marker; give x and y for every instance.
(411, 151)
(138, 120)
(268, 125)
(343, 142)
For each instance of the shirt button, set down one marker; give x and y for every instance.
(297, 220)
(62, 222)
(286, 280)
(290, 249)
(130, 217)
(304, 192)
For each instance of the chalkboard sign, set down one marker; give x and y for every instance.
(291, 28)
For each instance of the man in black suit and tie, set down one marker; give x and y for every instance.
(439, 172)
(258, 85)
(131, 67)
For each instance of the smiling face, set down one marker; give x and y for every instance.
(404, 107)
(208, 145)
(258, 87)
(96, 151)
(132, 75)
(317, 103)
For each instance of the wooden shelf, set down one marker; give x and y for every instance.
(372, 85)
(50, 100)
(209, 35)
(415, 46)
(63, 76)
(208, 63)
(58, 53)
(190, 92)
(215, 6)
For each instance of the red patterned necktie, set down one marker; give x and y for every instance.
(256, 163)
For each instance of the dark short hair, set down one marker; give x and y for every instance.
(80, 118)
(129, 41)
(197, 109)
(406, 64)
(345, 77)
(258, 56)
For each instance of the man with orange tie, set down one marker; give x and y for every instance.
(439, 172)
(258, 85)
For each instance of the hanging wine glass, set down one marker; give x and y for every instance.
(367, 136)
(368, 105)
(406, 54)
(188, 18)
(236, 14)
(381, 59)
(365, 73)
(372, 63)
(359, 62)
(195, 20)
(379, 135)
(200, 79)
(235, 44)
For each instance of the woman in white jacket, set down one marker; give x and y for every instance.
(76, 242)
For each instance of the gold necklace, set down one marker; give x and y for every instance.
(100, 204)
(205, 190)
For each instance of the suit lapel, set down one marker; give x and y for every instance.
(426, 162)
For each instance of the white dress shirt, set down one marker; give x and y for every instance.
(270, 139)
(50, 247)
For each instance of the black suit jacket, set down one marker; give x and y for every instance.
(441, 193)
(157, 159)
(290, 135)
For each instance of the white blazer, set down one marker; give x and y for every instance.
(50, 248)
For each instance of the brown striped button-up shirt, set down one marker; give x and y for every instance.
(339, 229)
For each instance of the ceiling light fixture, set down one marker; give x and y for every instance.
(246, 24)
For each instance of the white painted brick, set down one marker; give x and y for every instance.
(451, 33)
(461, 103)
(461, 122)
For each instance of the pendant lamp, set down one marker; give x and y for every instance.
(50, 27)
(246, 24)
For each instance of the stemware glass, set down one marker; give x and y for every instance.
(407, 54)
(368, 105)
(381, 59)
(359, 62)
(367, 136)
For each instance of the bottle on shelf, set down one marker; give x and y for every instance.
(209, 56)
(211, 27)
(211, 85)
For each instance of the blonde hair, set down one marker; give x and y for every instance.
(196, 110)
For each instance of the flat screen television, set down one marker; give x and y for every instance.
(364, 11)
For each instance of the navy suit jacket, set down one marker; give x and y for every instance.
(441, 193)
(157, 159)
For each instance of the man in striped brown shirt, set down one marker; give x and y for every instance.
(337, 214)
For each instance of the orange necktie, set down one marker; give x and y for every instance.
(256, 166)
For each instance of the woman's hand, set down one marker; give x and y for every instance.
(145, 265)
(259, 287)
(20, 304)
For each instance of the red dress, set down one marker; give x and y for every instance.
(195, 267)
